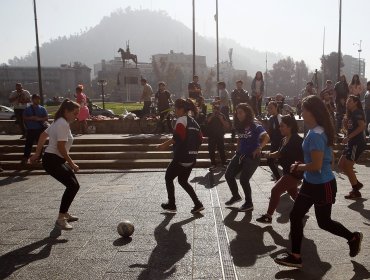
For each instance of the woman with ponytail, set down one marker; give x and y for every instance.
(186, 140)
(56, 160)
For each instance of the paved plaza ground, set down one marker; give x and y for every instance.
(220, 244)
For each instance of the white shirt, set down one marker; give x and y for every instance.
(23, 98)
(59, 130)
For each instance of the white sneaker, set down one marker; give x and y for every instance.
(71, 218)
(63, 224)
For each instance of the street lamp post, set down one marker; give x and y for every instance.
(340, 39)
(102, 83)
(359, 57)
(217, 50)
(194, 73)
(38, 55)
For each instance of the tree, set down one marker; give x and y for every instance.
(329, 65)
(287, 77)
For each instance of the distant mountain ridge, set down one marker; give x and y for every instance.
(149, 32)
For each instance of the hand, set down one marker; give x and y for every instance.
(257, 152)
(34, 158)
(294, 167)
(345, 140)
(75, 167)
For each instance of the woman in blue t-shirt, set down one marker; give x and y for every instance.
(355, 125)
(319, 185)
(252, 137)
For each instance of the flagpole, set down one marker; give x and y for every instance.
(194, 73)
(217, 49)
(38, 55)
(339, 39)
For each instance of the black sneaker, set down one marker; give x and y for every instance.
(358, 186)
(289, 260)
(169, 207)
(353, 195)
(233, 200)
(197, 208)
(355, 244)
(246, 207)
(265, 219)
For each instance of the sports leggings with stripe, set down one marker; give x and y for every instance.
(322, 196)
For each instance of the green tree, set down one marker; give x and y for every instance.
(329, 65)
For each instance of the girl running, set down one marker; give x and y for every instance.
(319, 185)
(186, 141)
(252, 137)
(56, 160)
(354, 123)
(289, 152)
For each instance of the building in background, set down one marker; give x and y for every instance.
(352, 66)
(56, 81)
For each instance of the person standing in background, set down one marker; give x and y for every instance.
(194, 89)
(239, 95)
(224, 99)
(275, 136)
(35, 117)
(258, 89)
(356, 88)
(20, 98)
(341, 91)
(163, 100)
(146, 96)
(367, 107)
(84, 113)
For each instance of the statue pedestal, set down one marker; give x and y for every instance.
(129, 89)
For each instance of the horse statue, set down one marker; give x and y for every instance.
(127, 55)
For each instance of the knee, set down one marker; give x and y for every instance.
(244, 181)
(182, 182)
(323, 223)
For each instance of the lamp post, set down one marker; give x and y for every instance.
(194, 73)
(217, 50)
(38, 55)
(339, 39)
(102, 83)
(359, 56)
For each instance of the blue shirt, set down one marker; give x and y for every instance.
(250, 139)
(316, 140)
(38, 111)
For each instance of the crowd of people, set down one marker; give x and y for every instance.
(310, 165)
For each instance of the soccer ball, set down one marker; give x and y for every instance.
(125, 228)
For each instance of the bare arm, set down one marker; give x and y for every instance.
(63, 151)
(313, 166)
(166, 145)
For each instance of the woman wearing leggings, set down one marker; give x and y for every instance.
(354, 123)
(186, 140)
(319, 185)
(56, 160)
(289, 152)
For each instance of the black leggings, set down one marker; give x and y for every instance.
(57, 168)
(321, 196)
(174, 170)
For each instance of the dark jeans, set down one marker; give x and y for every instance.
(146, 108)
(61, 171)
(302, 205)
(257, 105)
(33, 136)
(246, 168)
(271, 162)
(174, 170)
(339, 122)
(219, 143)
(19, 120)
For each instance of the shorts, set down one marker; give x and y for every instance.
(353, 152)
(321, 194)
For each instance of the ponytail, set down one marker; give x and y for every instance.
(67, 105)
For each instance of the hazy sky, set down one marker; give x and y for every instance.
(289, 27)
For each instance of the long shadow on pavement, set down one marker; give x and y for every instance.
(210, 180)
(361, 272)
(359, 207)
(14, 260)
(172, 246)
(248, 244)
(14, 178)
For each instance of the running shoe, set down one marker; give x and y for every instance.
(233, 200)
(289, 260)
(169, 207)
(355, 244)
(246, 207)
(265, 219)
(197, 208)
